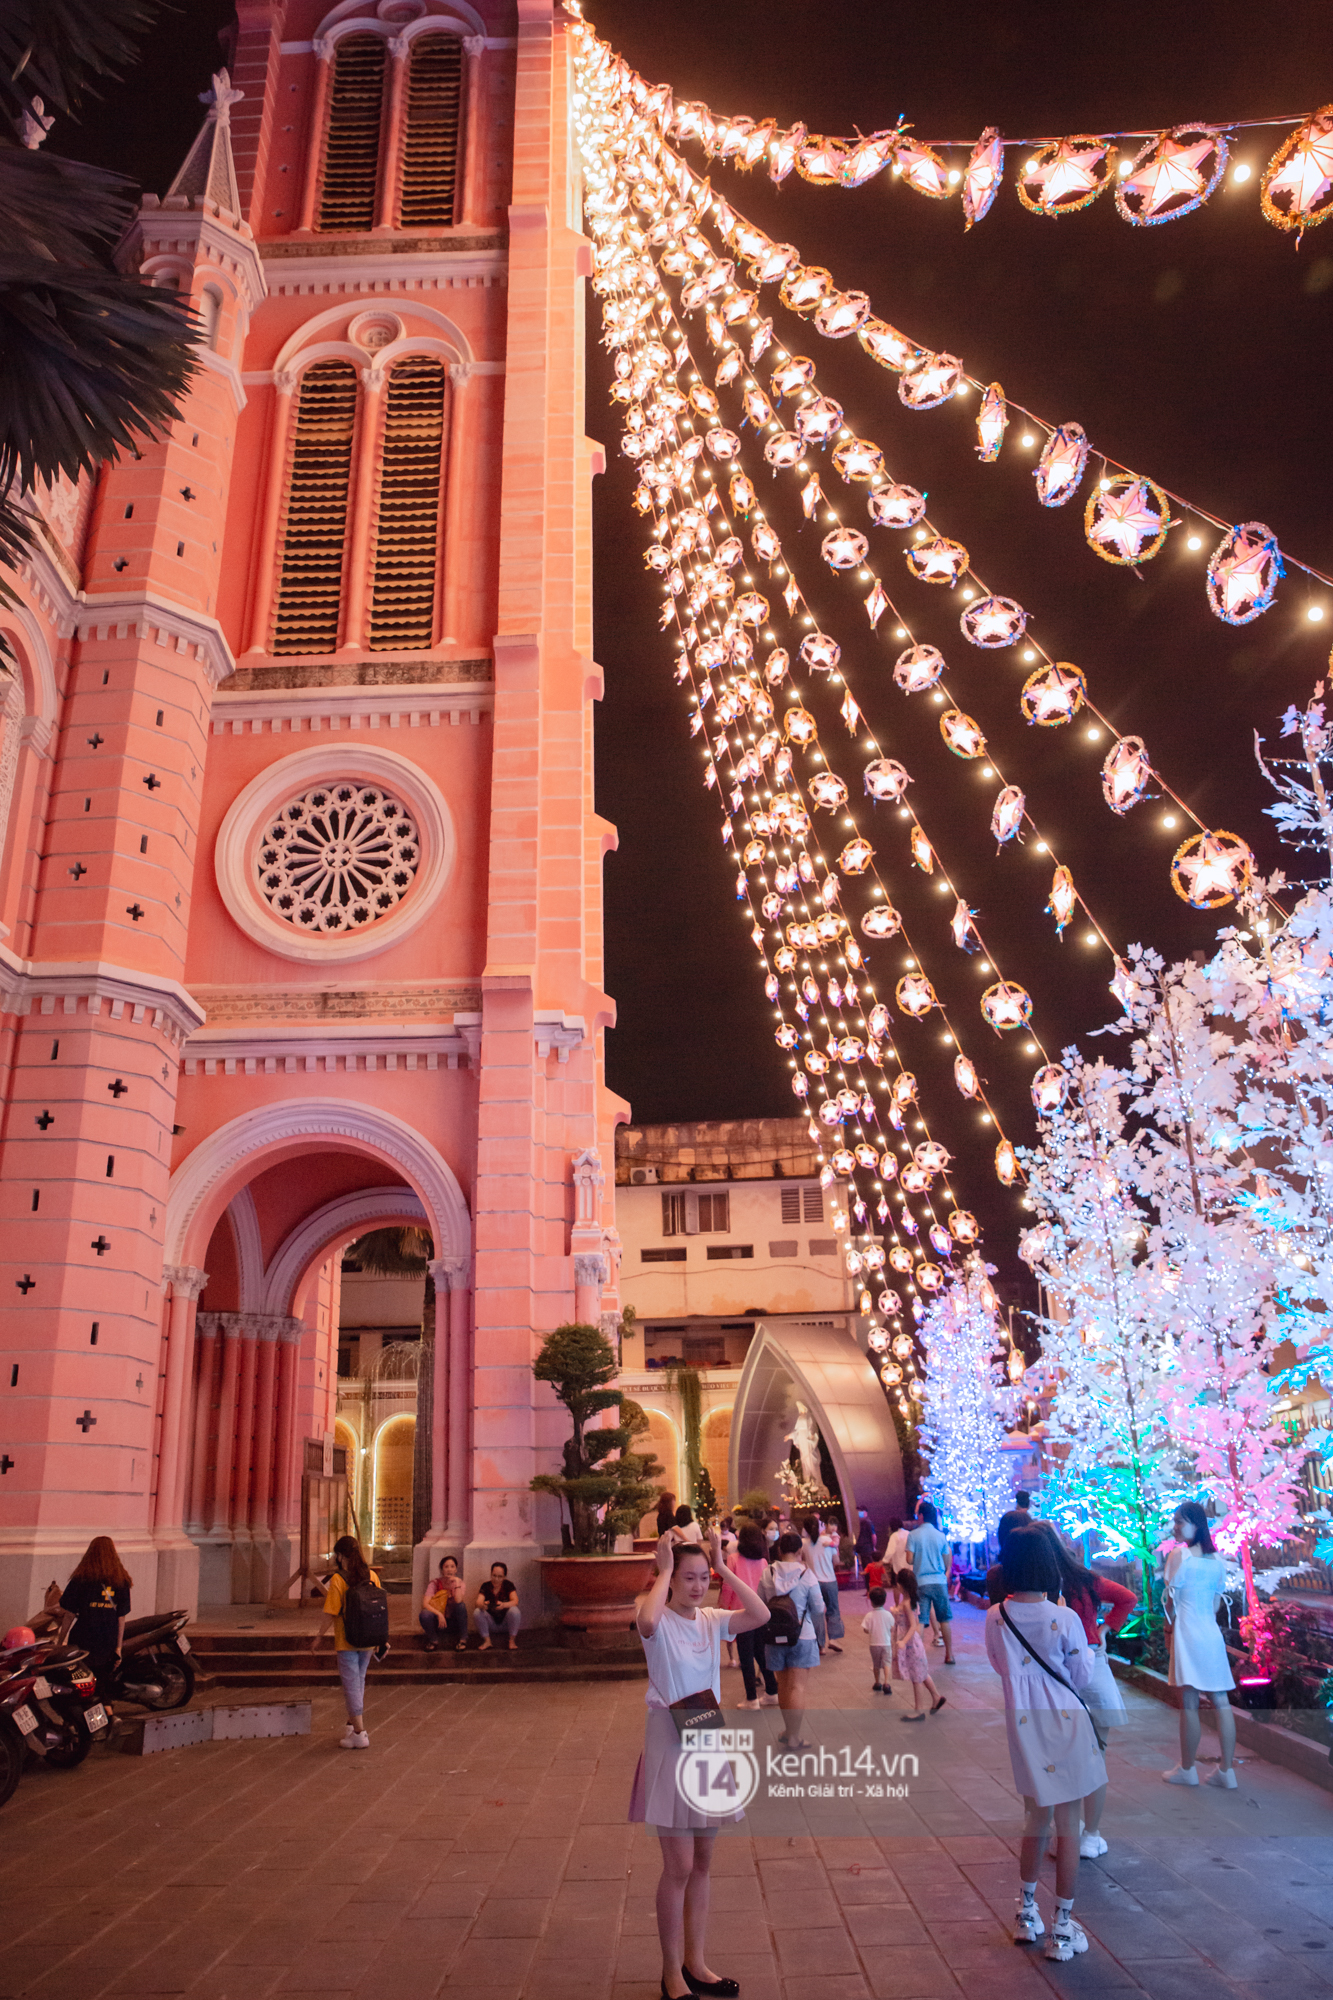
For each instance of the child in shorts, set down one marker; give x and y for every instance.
(878, 1627)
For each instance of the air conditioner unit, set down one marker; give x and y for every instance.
(643, 1176)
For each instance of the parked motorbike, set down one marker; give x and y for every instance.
(155, 1669)
(49, 1707)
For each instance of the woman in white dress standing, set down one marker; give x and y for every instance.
(1041, 1653)
(682, 1640)
(1195, 1575)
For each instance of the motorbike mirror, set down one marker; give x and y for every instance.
(17, 1636)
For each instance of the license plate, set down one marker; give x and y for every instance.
(182, 1642)
(80, 1681)
(41, 1689)
(95, 1717)
(26, 1721)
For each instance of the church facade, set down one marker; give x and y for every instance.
(300, 875)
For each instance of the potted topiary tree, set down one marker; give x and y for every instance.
(607, 1484)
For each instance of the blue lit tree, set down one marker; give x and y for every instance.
(962, 1425)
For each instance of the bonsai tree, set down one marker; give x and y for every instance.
(606, 1485)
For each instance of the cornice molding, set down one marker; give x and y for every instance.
(299, 711)
(142, 615)
(356, 1047)
(83, 988)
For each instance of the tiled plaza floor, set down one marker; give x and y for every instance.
(480, 1849)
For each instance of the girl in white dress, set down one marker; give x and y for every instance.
(1052, 1745)
(682, 1640)
(1195, 1574)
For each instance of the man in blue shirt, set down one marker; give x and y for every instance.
(931, 1557)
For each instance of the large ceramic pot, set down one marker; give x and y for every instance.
(597, 1593)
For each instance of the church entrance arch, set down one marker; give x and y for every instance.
(823, 1368)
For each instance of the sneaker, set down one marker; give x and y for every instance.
(1028, 1925)
(1066, 1940)
(1223, 1781)
(1180, 1776)
(1091, 1845)
(347, 1741)
(360, 1741)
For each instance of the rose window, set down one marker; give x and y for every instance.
(338, 858)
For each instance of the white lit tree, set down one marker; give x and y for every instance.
(962, 1427)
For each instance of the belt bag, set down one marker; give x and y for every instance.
(1097, 1729)
(697, 1711)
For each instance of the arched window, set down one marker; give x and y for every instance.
(352, 139)
(402, 609)
(210, 314)
(430, 143)
(310, 582)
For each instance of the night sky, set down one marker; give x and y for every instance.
(1197, 352)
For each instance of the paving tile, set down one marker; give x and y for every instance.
(907, 1972)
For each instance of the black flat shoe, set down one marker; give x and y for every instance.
(680, 1996)
(723, 1989)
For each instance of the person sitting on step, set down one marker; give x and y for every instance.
(444, 1609)
(497, 1608)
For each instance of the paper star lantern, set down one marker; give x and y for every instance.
(922, 169)
(800, 1084)
(1211, 869)
(901, 1258)
(914, 1180)
(993, 622)
(818, 420)
(850, 712)
(1006, 1164)
(933, 1157)
(1053, 695)
(962, 734)
(799, 726)
(886, 345)
(964, 1226)
(937, 561)
(879, 1022)
(982, 176)
(930, 381)
(923, 855)
(819, 160)
(868, 157)
(992, 422)
(843, 1162)
(761, 341)
(805, 288)
(1006, 1007)
(915, 995)
(1066, 175)
(1174, 173)
(792, 374)
(776, 665)
(1126, 519)
(844, 548)
(965, 1078)
(961, 925)
(784, 958)
(816, 1061)
(859, 459)
(894, 506)
(811, 495)
(865, 1157)
(755, 850)
(904, 1088)
(842, 314)
(882, 921)
(758, 409)
(1243, 573)
(929, 1277)
(1050, 1088)
(1064, 899)
(886, 779)
(1296, 192)
(918, 668)
(751, 608)
(783, 449)
(743, 495)
(1125, 774)
(877, 603)
(828, 791)
(820, 653)
(765, 542)
(774, 262)
(1007, 817)
(856, 857)
(850, 1050)
(1060, 467)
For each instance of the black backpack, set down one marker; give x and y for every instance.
(365, 1615)
(784, 1622)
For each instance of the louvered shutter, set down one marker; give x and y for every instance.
(430, 143)
(310, 584)
(402, 612)
(352, 141)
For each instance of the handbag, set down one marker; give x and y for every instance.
(1098, 1729)
(697, 1711)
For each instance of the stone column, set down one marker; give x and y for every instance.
(319, 118)
(262, 1580)
(248, 1333)
(178, 1562)
(287, 1470)
(590, 1274)
(275, 479)
(393, 126)
(360, 556)
(467, 200)
(206, 1348)
(451, 1408)
(455, 578)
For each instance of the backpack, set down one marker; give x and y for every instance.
(784, 1622)
(365, 1613)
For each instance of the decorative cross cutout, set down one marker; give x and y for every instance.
(6, 1462)
(77, 870)
(99, 1244)
(152, 781)
(26, 1284)
(45, 1120)
(138, 1383)
(86, 1422)
(152, 1217)
(96, 742)
(187, 495)
(118, 1089)
(133, 912)
(165, 1072)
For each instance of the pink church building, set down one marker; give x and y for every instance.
(300, 876)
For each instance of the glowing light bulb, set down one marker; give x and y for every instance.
(1093, 734)
(1168, 819)
(1315, 613)
(1027, 440)
(1194, 542)
(1242, 173)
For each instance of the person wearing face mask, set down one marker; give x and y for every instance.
(1195, 1576)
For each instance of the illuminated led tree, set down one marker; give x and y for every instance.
(962, 1429)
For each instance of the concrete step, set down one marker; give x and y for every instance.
(266, 1674)
(282, 1660)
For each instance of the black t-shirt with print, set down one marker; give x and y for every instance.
(99, 1608)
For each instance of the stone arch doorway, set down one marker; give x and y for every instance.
(391, 1508)
(822, 1367)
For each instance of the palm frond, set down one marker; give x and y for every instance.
(55, 208)
(53, 49)
(392, 1253)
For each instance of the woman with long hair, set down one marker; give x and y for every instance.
(1195, 1576)
(350, 1570)
(96, 1601)
(791, 1661)
(750, 1563)
(1085, 1592)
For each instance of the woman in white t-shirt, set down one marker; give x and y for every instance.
(1195, 1578)
(687, 1528)
(819, 1553)
(682, 1641)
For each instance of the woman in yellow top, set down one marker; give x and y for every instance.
(350, 1569)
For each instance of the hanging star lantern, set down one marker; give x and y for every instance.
(923, 855)
(844, 548)
(1297, 188)
(1174, 173)
(799, 726)
(884, 343)
(918, 668)
(828, 791)
(882, 921)
(1050, 1088)
(819, 161)
(886, 780)
(784, 449)
(992, 422)
(1005, 1006)
(877, 603)
(1006, 1164)
(993, 622)
(791, 596)
(791, 374)
(965, 1079)
(1053, 695)
(868, 157)
(915, 995)
(982, 176)
(818, 420)
(743, 495)
(758, 409)
(804, 288)
(1243, 573)
(765, 542)
(962, 927)
(1066, 175)
(938, 560)
(1211, 869)
(858, 459)
(894, 506)
(962, 734)
(1007, 818)
(930, 381)
(811, 495)
(1060, 467)
(856, 857)
(842, 314)
(1126, 519)
(850, 713)
(776, 665)
(1125, 774)
(914, 1179)
(820, 653)
(922, 169)
(751, 608)
(1063, 900)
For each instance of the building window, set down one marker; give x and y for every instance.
(310, 582)
(430, 144)
(402, 612)
(691, 1214)
(790, 1201)
(790, 1249)
(718, 1251)
(662, 1256)
(338, 858)
(714, 1213)
(823, 1246)
(673, 1215)
(352, 140)
(812, 1203)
